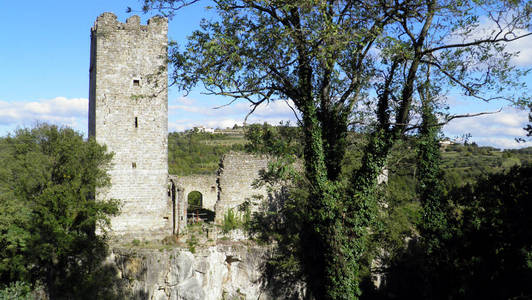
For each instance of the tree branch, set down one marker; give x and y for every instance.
(478, 42)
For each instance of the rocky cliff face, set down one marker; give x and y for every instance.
(224, 271)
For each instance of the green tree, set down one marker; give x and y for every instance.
(275, 140)
(48, 214)
(318, 54)
(492, 247)
(487, 251)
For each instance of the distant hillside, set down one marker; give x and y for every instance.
(470, 161)
(193, 152)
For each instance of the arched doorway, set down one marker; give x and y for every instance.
(194, 200)
(195, 210)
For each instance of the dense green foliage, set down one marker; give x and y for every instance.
(486, 253)
(48, 216)
(275, 140)
(491, 244)
(412, 199)
(16, 291)
(195, 152)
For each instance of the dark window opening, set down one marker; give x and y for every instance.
(136, 122)
(136, 82)
(133, 165)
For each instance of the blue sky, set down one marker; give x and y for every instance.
(44, 67)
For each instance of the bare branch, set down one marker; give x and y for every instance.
(471, 92)
(447, 120)
(225, 105)
(505, 38)
(295, 113)
(450, 118)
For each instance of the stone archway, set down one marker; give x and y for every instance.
(196, 212)
(195, 200)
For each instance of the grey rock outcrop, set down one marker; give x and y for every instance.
(224, 271)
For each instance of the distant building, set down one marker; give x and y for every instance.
(204, 129)
(446, 142)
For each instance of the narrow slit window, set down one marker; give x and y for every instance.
(136, 82)
(134, 165)
(136, 122)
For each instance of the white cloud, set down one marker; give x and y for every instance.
(198, 113)
(223, 123)
(498, 130)
(488, 28)
(185, 100)
(60, 110)
(524, 47)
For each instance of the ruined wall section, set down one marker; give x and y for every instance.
(236, 175)
(205, 184)
(128, 112)
(178, 205)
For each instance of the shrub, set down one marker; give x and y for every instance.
(16, 291)
(230, 222)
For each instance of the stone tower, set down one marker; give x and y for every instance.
(128, 112)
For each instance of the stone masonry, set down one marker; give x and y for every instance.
(230, 187)
(205, 184)
(237, 173)
(128, 112)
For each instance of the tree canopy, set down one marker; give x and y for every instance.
(48, 216)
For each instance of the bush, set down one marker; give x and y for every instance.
(48, 176)
(16, 291)
(230, 222)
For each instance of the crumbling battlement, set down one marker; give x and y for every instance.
(108, 22)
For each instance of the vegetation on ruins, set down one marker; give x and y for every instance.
(349, 64)
(48, 214)
(413, 197)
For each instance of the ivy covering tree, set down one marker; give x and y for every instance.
(48, 215)
(342, 63)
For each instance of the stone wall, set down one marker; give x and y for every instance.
(236, 175)
(205, 184)
(177, 206)
(230, 187)
(128, 112)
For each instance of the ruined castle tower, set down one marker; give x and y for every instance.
(128, 112)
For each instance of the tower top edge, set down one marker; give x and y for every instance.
(109, 21)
